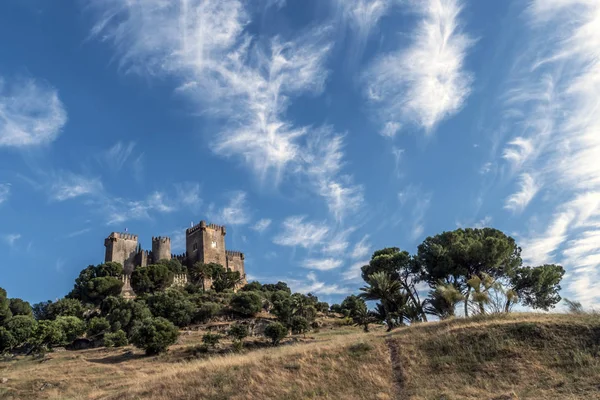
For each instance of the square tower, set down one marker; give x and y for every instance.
(122, 248)
(206, 243)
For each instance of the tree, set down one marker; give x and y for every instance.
(538, 287)
(456, 257)
(71, 327)
(173, 305)
(199, 273)
(116, 339)
(174, 265)
(276, 331)
(155, 335)
(225, 280)
(299, 324)
(124, 314)
(47, 334)
(238, 332)
(399, 266)
(7, 340)
(304, 305)
(151, 279)
(362, 317)
(322, 306)
(252, 287)
(351, 304)
(246, 303)
(442, 301)
(382, 287)
(275, 287)
(97, 326)
(22, 328)
(20, 307)
(40, 310)
(206, 311)
(65, 308)
(211, 339)
(97, 282)
(283, 307)
(5, 312)
(336, 308)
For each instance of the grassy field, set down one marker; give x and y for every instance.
(516, 356)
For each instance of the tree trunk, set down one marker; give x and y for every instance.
(467, 302)
(417, 303)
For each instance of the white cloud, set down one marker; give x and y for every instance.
(354, 272)
(298, 232)
(31, 113)
(528, 189)
(322, 264)
(188, 194)
(419, 203)
(362, 248)
(315, 286)
(4, 192)
(485, 222)
(68, 185)
(117, 155)
(78, 233)
(426, 82)
(262, 225)
(11, 239)
(118, 210)
(234, 213)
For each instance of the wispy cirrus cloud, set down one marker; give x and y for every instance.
(556, 96)
(313, 285)
(11, 239)
(67, 185)
(528, 188)
(31, 113)
(426, 82)
(5, 189)
(262, 225)
(116, 157)
(322, 264)
(362, 248)
(236, 212)
(297, 232)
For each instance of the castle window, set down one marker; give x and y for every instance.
(214, 244)
(195, 246)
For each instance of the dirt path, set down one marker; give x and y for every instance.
(397, 370)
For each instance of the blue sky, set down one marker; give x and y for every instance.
(318, 131)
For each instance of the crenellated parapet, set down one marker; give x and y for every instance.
(234, 254)
(123, 236)
(180, 280)
(202, 225)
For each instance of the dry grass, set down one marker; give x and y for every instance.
(524, 356)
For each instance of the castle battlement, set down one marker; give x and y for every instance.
(202, 225)
(233, 253)
(123, 235)
(162, 239)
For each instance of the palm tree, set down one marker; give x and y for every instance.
(363, 317)
(382, 287)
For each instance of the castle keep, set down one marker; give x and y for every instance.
(204, 243)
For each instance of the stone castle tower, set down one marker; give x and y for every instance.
(203, 243)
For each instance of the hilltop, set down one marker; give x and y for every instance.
(508, 356)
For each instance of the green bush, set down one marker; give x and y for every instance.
(22, 328)
(206, 311)
(7, 340)
(97, 326)
(276, 331)
(238, 331)
(151, 279)
(47, 334)
(20, 307)
(155, 335)
(65, 308)
(5, 312)
(124, 314)
(246, 303)
(299, 324)
(322, 306)
(173, 305)
(116, 339)
(211, 339)
(252, 287)
(72, 328)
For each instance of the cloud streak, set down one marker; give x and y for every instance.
(425, 83)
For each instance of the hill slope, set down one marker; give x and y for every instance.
(525, 356)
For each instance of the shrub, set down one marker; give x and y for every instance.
(172, 305)
(151, 279)
(155, 335)
(246, 303)
(20, 307)
(116, 339)
(97, 326)
(22, 328)
(5, 312)
(299, 324)
(47, 334)
(276, 331)
(206, 311)
(322, 306)
(7, 340)
(65, 308)
(211, 339)
(238, 331)
(71, 327)
(252, 287)
(124, 314)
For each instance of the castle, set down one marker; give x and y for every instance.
(204, 243)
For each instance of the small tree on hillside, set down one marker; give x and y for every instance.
(151, 279)
(155, 335)
(238, 332)
(246, 303)
(20, 307)
(5, 312)
(299, 324)
(275, 331)
(211, 339)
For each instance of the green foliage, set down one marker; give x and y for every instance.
(97, 282)
(276, 287)
(207, 311)
(40, 310)
(22, 328)
(201, 272)
(7, 340)
(47, 334)
(71, 327)
(538, 287)
(336, 308)
(65, 308)
(155, 335)
(252, 287)
(116, 339)
(151, 279)
(225, 280)
(173, 305)
(20, 307)
(5, 312)
(299, 324)
(282, 306)
(574, 307)
(443, 300)
(322, 306)
(382, 287)
(304, 305)
(238, 331)
(351, 304)
(97, 326)
(276, 331)
(174, 266)
(246, 303)
(362, 317)
(124, 314)
(211, 339)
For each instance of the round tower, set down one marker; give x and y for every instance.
(161, 248)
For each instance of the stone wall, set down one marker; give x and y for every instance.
(122, 248)
(161, 248)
